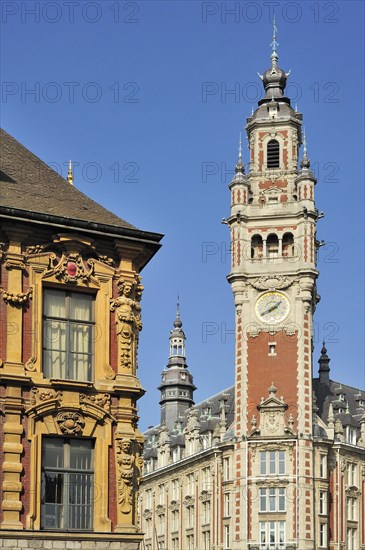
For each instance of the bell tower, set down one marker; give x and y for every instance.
(273, 279)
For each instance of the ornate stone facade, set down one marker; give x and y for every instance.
(70, 302)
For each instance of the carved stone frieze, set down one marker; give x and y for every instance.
(101, 400)
(16, 299)
(70, 423)
(188, 501)
(41, 395)
(106, 260)
(35, 249)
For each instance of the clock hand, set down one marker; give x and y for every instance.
(275, 306)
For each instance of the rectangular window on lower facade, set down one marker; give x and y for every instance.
(67, 484)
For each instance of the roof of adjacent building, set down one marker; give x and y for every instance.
(29, 184)
(345, 402)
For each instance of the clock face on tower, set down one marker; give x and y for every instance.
(272, 307)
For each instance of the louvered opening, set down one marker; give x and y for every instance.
(273, 154)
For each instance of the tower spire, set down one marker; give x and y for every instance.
(305, 162)
(274, 44)
(240, 150)
(70, 176)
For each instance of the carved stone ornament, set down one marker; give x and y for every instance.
(189, 501)
(160, 509)
(128, 321)
(205, 496)
(106, 260)
(174, 506)
(30, 365)
(101, 400)
(19, 299)
(147, 514)
(270, 282)
(272, 416)
(41, 395)
(129, 468)
(70, 268)
(35, 249)
(70, 423)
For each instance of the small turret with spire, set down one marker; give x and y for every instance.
(324, 366)
(177, 386)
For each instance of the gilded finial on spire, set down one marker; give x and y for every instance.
(70, 176)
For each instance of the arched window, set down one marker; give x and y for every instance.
(288, 244)
(272, 246)
(273, 154)
(256, 247)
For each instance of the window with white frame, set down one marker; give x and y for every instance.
(227, 504)
(161, 544)
(175, 489)
(67, 484)
(272, 463)
(227, 538)
(190, 542)
(175, 543)
(176, 453)
(161, 494)
(323, 502)
(206, 511)
(148, 499)
(190, 484)
(226, 469)
(190, 516)
(351, 474)
(206, 479)
(68, 335)
(272, 534)
(273, 499)
(351, 435)
(351, 509)
(175, 520)
(323, 535)
(351, 539)
(322, 466)
(206, 540)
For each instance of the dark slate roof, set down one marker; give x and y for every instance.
(207, 422)
(27, 183)
(330, 393)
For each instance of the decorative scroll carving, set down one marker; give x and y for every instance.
(102, 400)
(70, 268)
(129, 473)
(270, 282)
(70, 423)
(106, 260)
(30, 365)
(40, 395)
(128, 321)
(35, 249)
(19, 299)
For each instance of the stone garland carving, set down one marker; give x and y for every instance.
(174, 506)
(40, 395)
(270, 282)
(205, 496)
(106, 260)
(102, 400)
(147, 514)
(160, 509)
(70, 423)
(70, 268)
(128, 321)
(129, 473)
(19, 299)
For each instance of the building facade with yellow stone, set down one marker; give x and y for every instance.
(70, 305)
(276, 462)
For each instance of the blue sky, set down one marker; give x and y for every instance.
(122, 89)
